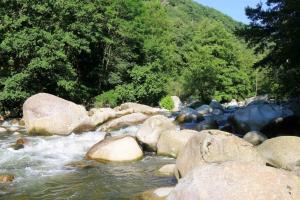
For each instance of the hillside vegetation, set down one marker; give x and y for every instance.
(108, 52)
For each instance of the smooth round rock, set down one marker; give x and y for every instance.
(255, 137)
(116, 149)
(167, 170)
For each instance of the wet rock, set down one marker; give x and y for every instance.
(254, 117)
(204, 110)
(115, 149)
(282, 152)
(124, 121)
(232, 104)
(46, 114)
(214, 146)
(177, 103)
(167, 170)
(188, 115)
(171, 142)
(19, 144)
(151, 129)
(156, 194)
(206, 125)
(236, 181)
(3, 130)
(216, 105)
(255, 137)
(217, 112)
(6, 178)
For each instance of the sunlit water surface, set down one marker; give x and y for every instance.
(41, 173)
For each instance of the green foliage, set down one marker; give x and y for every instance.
(219, 67)
(275, 31)
(125, 50)
(167, 103)
(107, 99)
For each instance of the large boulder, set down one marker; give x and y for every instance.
(151, 129)
(115, 149)
(171, 142)
(100, 115)
(282, 126)
(236, 181)
(282, 152)
(124, 121)
(254, 117)
(138, 108)
(46, 114)
(214, 146)
(255, 137)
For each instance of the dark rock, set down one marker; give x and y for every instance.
(206, 125)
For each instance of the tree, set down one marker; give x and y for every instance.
(275, 30)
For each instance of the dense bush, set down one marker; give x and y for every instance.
(167, 103)
(107, 99)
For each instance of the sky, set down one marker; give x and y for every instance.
(233, 8)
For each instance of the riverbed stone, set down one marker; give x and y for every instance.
(124, 121)
(151, 129)
(204, 110)
(167, 170)
(3, 130)
(188, 115)
(100, 115)
(116, 149)
(46, 114)
(171, 142)
(6, 178)
(138, 108)
(236, 181)
(214, 146)
(282, 152)
(155, 194)
(255, 137)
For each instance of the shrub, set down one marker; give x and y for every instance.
(107, 99)
(166, 103)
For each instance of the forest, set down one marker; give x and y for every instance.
(103, 53)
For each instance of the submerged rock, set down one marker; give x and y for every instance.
(124, 121)
(156, 194)
(3, 130)
(81, 165)
(282, 152)
(6, 178)
(116, 149)
(236, 181)
(167, 170)
(255, 137)
(46, 114)
(214, 146)
(151, 129)
(171, 142)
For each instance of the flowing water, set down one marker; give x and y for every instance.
(41, 172)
